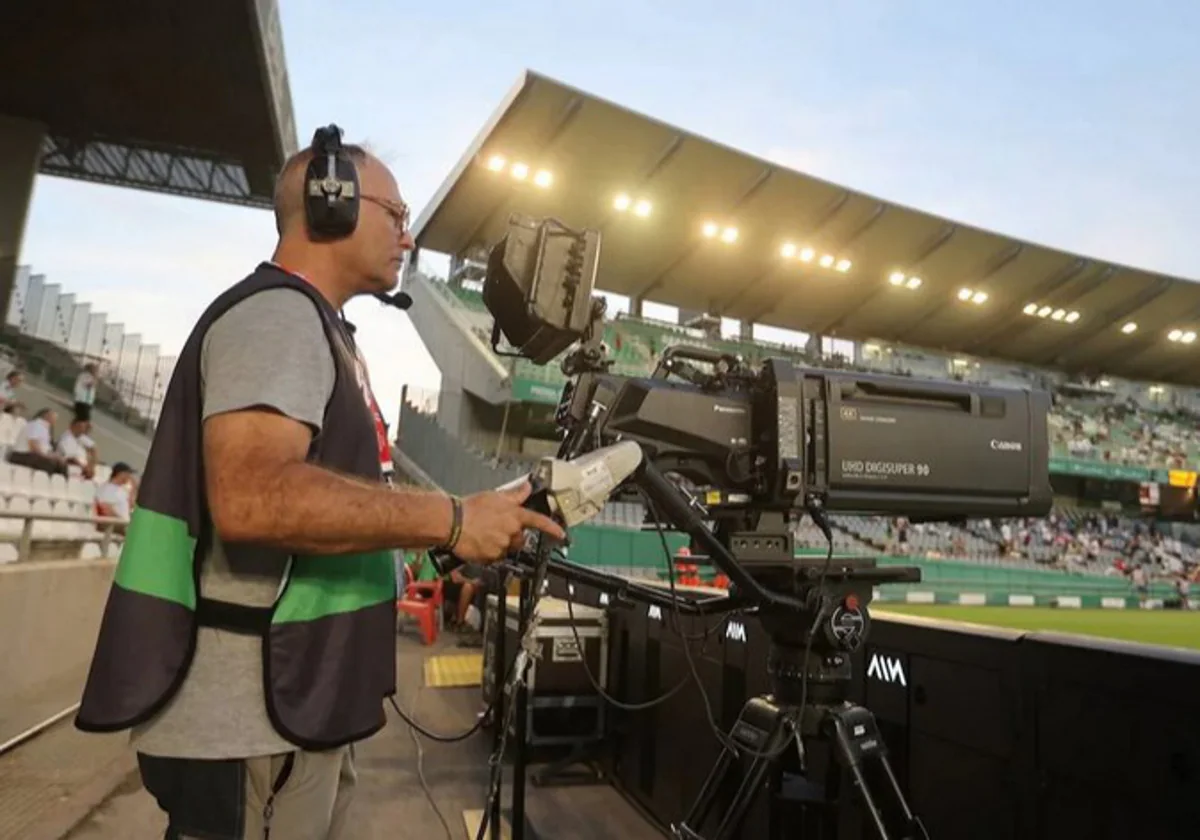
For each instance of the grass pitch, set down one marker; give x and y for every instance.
(1173, 628)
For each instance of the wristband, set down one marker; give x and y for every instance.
(456, 520)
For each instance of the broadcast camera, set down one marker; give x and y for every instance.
(730, 453)
(773, 438)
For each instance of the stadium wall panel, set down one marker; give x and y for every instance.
(993, 733)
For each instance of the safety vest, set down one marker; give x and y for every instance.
(328, 643)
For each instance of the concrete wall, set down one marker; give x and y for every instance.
(49, 617)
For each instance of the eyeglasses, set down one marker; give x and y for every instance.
(397, 211)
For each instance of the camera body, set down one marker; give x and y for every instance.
(778, 437)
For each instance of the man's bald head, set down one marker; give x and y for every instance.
(289, 186)
(368, 259)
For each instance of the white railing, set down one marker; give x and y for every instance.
(24, 541)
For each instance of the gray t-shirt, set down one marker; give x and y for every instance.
(268, 350)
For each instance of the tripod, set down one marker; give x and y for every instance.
(770, 726)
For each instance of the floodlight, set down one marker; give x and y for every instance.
(711, 229)
(543, 178)
(826, 260)
(788, 250)
(730, 234)
(1175, 335)
(520, 171)
(1188, 337)
(896, 278)
(1058, 314)
(964, 294)
(806, 254)
(1030, 309)
(1044, 311)
(621, 202)
(1072, 317)
(642, 208)
(843, 265)
(1129, 328)
(979, 297)
(913, 283)
(496, 163)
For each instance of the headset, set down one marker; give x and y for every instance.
(332, 197)
(331, 194)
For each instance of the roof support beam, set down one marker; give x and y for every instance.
(747, 194)
(849, 239)
(1044, 289)
(822, 218)
(552, 134)
(1110, 319)
(991, 266)
(923, 252)
(656, 166)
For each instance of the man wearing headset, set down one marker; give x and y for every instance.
(246, 683)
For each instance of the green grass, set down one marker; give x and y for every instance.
(1158, 627)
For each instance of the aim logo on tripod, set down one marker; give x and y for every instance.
(887, 669)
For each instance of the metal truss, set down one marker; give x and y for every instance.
(173, 172)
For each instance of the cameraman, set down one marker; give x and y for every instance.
(265, 470)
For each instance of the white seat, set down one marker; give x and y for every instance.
(90, 551)
(58, 487)
(39, 484)
(8, 553)
(22, 480)
(42, 530)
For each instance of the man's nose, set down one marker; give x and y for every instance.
(406, 241)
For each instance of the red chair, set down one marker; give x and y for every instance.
(423, 601)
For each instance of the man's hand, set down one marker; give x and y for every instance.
(494, 522)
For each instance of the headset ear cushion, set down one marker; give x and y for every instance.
(331, 199)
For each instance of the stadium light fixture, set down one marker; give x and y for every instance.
(1030, 309)
(964, 294)
(1044, 312)
(520, 171)
(496, 163)
(807, 254)
(1188, 337)
(641, 207)
(900, 280)
(975, 296)
(788, 250)
(843, 265)
(1058, 314)
(826, 260)
(543, 178)
(1072, 317)
(729, 235)
(711, 229)
(1130, 328)
(1175, 335)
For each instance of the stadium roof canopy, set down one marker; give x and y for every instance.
(594, 151)
(184, 98)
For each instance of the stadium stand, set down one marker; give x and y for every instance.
(1086, 551)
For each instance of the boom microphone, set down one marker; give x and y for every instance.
(399, 300)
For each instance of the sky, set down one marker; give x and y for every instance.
(1071, 123)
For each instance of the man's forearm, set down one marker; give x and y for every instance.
(304, 507)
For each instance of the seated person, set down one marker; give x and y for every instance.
(78, 449)
(34, 447)
(116, 497)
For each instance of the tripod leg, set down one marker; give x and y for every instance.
(761, 728)
(858, 740)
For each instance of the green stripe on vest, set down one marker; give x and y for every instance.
(157, 558)
(323, 586)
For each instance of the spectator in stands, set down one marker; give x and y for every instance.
(85, 391)
(117, 496)
(34, 446)
(78, 449)
(266, 457)
(8, 389)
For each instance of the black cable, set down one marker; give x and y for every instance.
(421, 766)
(444, 739)
(608, 698)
